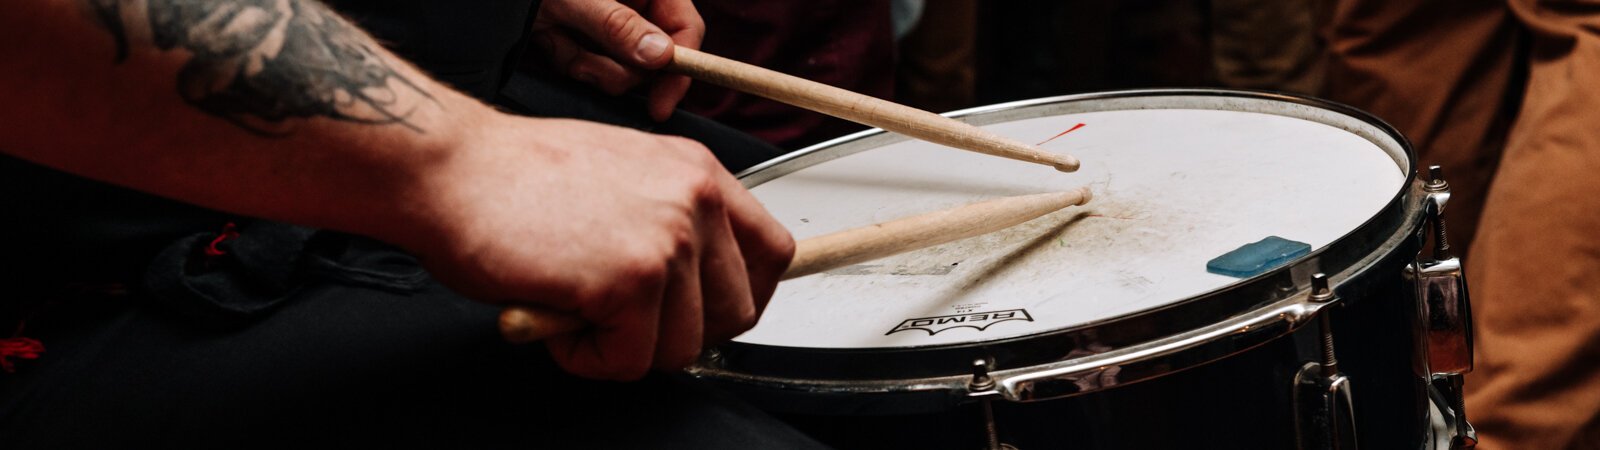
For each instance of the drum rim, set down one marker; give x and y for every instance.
(1387, 225)
(766, 171)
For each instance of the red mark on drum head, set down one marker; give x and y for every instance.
(1064, 133)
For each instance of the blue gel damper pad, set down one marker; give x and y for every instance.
(1257, 257)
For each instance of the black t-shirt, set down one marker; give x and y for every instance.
(466, 44)
(59, 227)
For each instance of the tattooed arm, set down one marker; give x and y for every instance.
(281, 109)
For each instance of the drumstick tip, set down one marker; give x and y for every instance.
(1065, 163)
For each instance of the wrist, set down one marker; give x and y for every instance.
(488, 164)
(417, 203)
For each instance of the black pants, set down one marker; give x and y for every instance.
(341, 365)
(353, 347)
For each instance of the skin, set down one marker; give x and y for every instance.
(619, 61)
(215, 103)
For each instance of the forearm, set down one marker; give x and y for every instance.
(275, 109)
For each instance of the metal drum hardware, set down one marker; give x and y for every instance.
(1323, 399)
(1446, 315)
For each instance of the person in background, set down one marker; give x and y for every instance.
(844, 43)
(1268, 44)
(1501, 93)
(937, 68)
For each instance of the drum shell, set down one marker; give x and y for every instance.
(1242, 401)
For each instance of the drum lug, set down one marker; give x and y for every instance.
(1442, 291)
(1325, 410)
(1446, 313)
(1323, 402)
(983, 382)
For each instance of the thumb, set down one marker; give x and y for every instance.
(623, 33)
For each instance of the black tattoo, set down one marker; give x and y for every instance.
(260, 63)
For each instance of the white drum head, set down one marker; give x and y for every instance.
(1173, 189)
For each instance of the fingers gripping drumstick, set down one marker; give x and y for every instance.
(851, 246)
(858, 108)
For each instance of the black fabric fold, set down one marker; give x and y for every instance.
(265, 265)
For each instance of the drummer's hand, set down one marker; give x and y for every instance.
(614, 44)
(645, 237)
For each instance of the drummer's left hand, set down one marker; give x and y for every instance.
(616, 44)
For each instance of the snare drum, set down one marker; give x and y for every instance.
(1100, 327)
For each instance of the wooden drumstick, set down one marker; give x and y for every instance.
(827, 252)
(858, 108)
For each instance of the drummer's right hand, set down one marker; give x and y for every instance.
(645, 237)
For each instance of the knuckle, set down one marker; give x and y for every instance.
(679, 233)
(782, 247)
(650, 271)
(683, 245)
(699, 153)
(618, 22)
(698, 24)
(560, 50)
(732, 326)
(734, 316)
(580, 70)
(705, 188)
(697, 27)
(641, 270)
(743, 318)
(589, 293)
(701, 174)
(597, 298)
